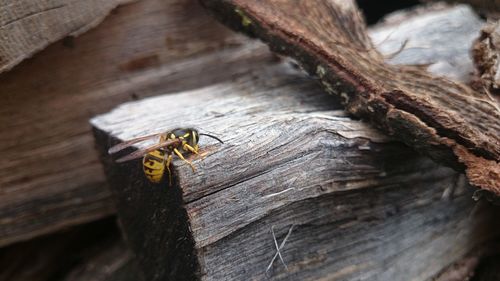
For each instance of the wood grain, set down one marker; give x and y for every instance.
(50, 176)
(142, 49)
(27, 27)
(362, 206)
(446, 120)
(403, 38)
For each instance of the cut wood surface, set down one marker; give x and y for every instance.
(50, 176)
(27, 27)
(361, 206)
(142, 49)
(446, 120)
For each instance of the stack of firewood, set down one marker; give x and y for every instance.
(346, 152)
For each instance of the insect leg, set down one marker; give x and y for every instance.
(190, 148)
(184, 159)
(167, 165)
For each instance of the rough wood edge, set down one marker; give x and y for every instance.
(429, 127)
(203, 199)
(22, 37)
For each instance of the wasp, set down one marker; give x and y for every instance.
(158, 157)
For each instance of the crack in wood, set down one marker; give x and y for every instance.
(32, 14)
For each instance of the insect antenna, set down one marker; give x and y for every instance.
(211, 136)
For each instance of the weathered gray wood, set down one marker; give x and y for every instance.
(448, 121)
(404, 37)
(489, 8)
(50, 176)
(27, 27)
(40, 118)
(227, 244)
(362, 206)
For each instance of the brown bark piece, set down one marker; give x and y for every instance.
(29, 26)
(486, 54)
(362, 206)
(446, 120)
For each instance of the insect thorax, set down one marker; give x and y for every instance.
(189, 135)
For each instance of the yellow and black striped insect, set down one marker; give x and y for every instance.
(158, 157)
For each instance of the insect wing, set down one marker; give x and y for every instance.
(125, 144)
(142, 152)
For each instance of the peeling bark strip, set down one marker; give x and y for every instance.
(362, 206)
(486, 53)
(446, 120)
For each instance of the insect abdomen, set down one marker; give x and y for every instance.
(153, 165)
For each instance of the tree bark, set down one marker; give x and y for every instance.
(361, 205)
(218, 225)
(446, 120)
(486, 53)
